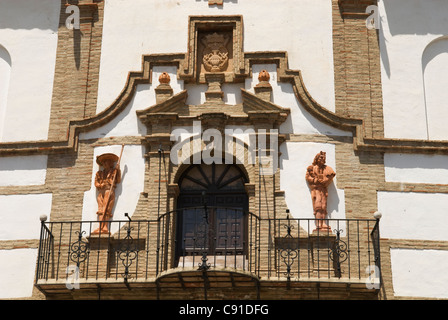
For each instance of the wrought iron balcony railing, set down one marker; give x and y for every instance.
(209, 239)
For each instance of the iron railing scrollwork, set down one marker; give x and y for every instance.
(288, 253)
(339, 252)
(127, 252)
(78, 249)
(202, 239)
(287, 249)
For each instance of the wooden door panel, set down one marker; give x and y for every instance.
(220, 186)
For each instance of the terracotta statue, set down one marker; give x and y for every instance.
(106, 181)
(319, 177)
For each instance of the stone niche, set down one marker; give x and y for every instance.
(215, 47)
(215, 52)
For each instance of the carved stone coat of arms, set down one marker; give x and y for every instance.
(216, 55)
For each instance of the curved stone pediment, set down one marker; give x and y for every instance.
(250, 110)
(238, 68)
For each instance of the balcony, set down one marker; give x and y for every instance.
(214, 253)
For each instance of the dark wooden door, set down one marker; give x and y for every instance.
(211, 210)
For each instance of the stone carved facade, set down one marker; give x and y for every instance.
(215, 55)
(361, 153)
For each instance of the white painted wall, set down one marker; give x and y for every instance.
(127, 122)
(231, 93)
(5, 73)
(416, 168)
(295, 158)
(19, 216)
(161, 27)
(412, 215)
(419, 273)
(23, 171)
(299, 121)
(127, 193)
(28, 29)
(435, 72)
(407, 28)
(17, 275)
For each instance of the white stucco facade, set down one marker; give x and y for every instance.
(20, 213)
(296, 155)
(412, 215)
(128, 191)
(23, 171)
(17, 276)
(28, 30)
(144, 28)
(413, 43)
(420, 273)
(5, 72)
(416, 168)
(413, 52)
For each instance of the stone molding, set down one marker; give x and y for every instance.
(242, 69)
(355, 8)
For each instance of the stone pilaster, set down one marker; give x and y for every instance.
(357, 66)
(77, 67)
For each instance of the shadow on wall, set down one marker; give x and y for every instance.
(411, 17)
(224, 1)
(5, 73)
(28, 15)
(4, 55)
(293, 161)
(435, 82)
(416, 17)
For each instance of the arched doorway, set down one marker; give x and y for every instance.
(212, 210)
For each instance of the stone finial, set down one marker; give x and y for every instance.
(163, 90)
(263, 76)
(164, 78)
(377, 215)
(264, 89)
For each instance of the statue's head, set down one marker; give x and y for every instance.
(320, 158)
(107, 160)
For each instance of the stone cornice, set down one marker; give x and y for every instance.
(176, 112)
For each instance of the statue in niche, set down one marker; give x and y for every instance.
(319, 176)
(216, 55)
(106, 181)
